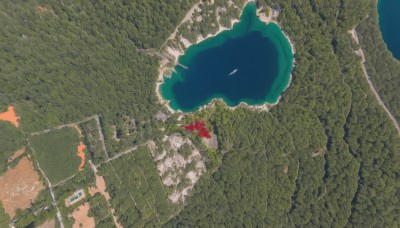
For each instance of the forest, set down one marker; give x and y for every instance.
(382, 67)
(341, 149)
(326, 156)
(11, 140)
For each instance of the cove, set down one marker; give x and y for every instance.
(250, 63)
(389, 18)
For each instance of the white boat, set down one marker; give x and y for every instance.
(233, 72)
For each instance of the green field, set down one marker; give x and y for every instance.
(57, 153)
(136, 191)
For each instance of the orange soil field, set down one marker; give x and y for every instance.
(81, 217)
(17, 154)
(19, 186)
(10, 116)
(81, 154)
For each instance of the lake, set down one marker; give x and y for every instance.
(389, 18)
(250, 63)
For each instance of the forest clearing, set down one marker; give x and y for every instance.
(81, 217)
(10, 116)
(19, 186)
(17, 154)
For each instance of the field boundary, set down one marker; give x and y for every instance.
(85, 120)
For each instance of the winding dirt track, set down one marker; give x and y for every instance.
(360, 53)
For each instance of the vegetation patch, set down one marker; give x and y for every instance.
(56, 152)
(11, 140)
(4, 218)
(136, 191)
(92, 138)
(99, 210)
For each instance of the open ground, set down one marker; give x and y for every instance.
(19, 186)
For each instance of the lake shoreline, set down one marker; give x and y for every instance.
(177, 53)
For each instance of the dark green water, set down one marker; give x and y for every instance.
(261, 54)
(389, 19)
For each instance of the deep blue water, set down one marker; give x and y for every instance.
(260, 53)
(389, 22)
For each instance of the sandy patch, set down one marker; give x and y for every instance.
(17, 154)
(19, 186)
(101, 187)
(81, 217)
(81, 154)
(79, 131)
(285, 170)
(93, 191)
(48, 224)
(10, 116)
(114, 133)
(185, 42)
(211, 142)
(43, 9)
(174, 53)
(118, 225)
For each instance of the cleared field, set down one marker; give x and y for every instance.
(17, 154)
(56, 152)
(81, 217)
(19, 187)
(10, 116)
(136, 191)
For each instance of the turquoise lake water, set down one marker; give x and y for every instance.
(250, 63)
(389, 19)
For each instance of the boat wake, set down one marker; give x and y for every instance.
(233, 72)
